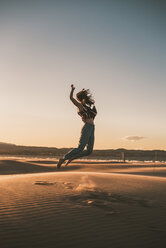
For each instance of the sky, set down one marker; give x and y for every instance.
(114, 48)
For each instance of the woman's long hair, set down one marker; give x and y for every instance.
(85, 97)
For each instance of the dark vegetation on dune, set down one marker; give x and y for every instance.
(114, 154)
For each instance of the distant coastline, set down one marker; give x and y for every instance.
(121, 154)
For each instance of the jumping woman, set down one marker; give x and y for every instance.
(84, 104)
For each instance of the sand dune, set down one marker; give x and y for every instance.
(10, 166)
(80, 208)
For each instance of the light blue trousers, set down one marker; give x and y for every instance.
(86, 139)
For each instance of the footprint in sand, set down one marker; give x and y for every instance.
(68, 185)
(106, 201)
(44, 183)
(64, 184)
(98, 199)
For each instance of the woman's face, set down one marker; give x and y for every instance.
(78, 98)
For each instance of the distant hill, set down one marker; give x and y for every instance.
(112, 154)
(6, 145)
(14, 150)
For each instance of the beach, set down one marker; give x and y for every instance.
(89, 203)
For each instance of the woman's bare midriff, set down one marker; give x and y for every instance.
(91, 121)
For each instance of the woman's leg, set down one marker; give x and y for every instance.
(85, 135)
(86, 152)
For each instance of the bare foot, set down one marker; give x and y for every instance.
(68, 162)
(60, 162)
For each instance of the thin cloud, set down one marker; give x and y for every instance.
(133, 138)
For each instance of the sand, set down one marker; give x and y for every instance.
(87, 204)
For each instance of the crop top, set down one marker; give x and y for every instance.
(88, 113)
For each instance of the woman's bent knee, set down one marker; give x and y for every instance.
(80, 148)
(89, 152)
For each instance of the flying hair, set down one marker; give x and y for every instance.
(85, 97)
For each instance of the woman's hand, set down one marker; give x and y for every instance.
(72, 87)
(72, 90)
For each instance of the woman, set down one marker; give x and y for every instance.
(84, 104)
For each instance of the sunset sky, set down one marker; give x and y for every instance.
(114, 47)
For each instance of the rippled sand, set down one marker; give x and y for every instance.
(81, 208)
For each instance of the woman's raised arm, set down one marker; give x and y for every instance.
(74, 101)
